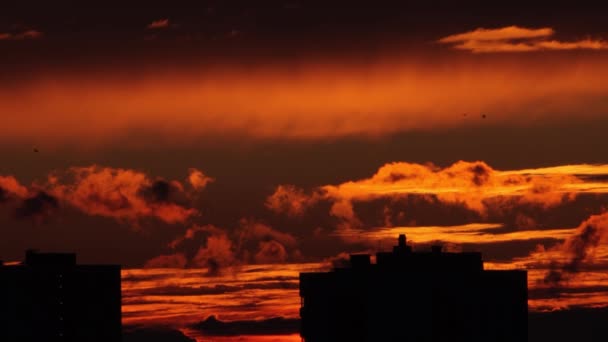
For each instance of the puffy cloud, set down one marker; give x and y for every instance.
(577, 249)
(217, 254)
(473, 184)
(289, 199)
(251, 242)
(122, 194)
(198, 180)
(9, 186)
(516, 39)
(158, 24)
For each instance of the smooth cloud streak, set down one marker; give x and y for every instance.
(474, 233)
(517, 39)
(504, 33)
(306, 102)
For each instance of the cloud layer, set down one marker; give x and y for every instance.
(517, 39)
(307, 101)
(474, 185)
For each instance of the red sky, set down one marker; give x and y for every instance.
(222, 137)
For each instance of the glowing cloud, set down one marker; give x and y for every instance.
(158, 24)
(218, 249)
(28, 34)
(474, 233)
(475, 185)
(198, 179)
(504, 33)
(10, 185)
(578, 249)
(120, 193)
(290, 200)
(305, 102)
(516, 39)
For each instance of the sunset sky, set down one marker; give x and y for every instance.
(217, 148)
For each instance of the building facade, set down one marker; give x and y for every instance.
(49, 297)
(414, 296)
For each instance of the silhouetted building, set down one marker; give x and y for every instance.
(49, 298)
(414, 296)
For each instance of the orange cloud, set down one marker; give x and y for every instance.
(578, 249)
(217, 254)
(120, 193)
(475, 233)
(290, 200)
(11, 185)
(198, 179)
(28, 34)
(304, 102)
(504, 33)
(570, 273)
(516, 39)
(473, 184)
(251, 242)
(158, 24)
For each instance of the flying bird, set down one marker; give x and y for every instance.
(35, 150)
(483, 116)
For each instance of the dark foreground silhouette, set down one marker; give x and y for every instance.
(154, 334)
(580, 325)
(49, 298)
(273, 326)
(414, 296)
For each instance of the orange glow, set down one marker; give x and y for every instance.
(11, 185)
(174, 304)
(473, 184)
(302, 102)
(475, 233)
(517, 39)
(117, 193)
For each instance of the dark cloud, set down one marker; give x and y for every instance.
(578, 249)
(162, 191)
(216, 289)
(3, 195)
(549, 293)
(273, 326)
(41, 204)
(154, 334)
